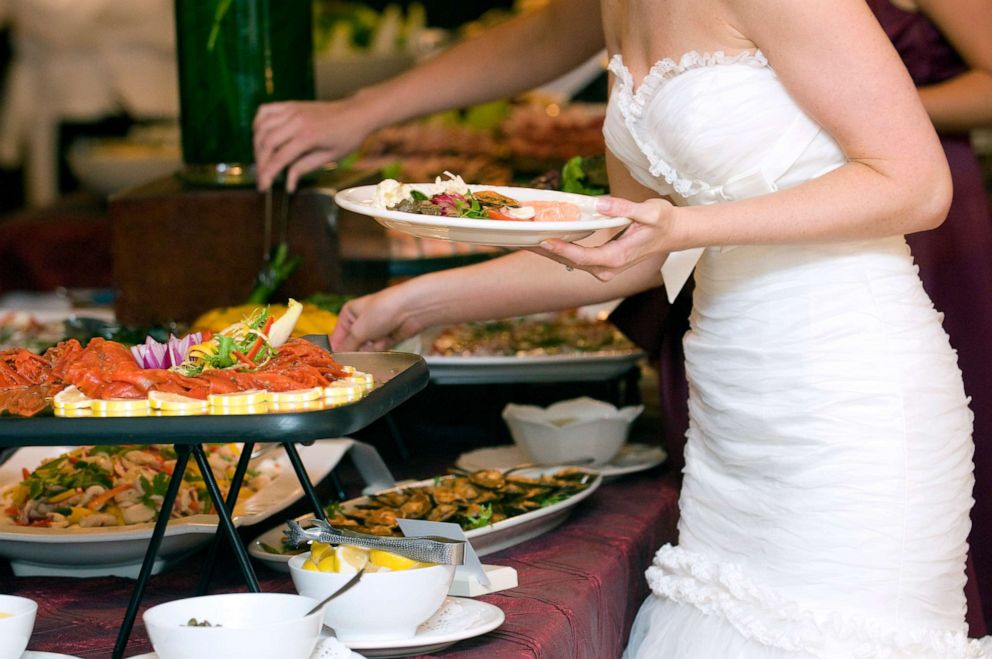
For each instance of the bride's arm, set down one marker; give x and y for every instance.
(834, 59)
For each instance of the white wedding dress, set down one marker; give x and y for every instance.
(828, 467)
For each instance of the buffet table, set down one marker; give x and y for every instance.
(580, 584)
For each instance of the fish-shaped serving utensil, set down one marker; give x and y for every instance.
(427, 549)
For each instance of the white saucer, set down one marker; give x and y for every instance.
(631, 459)
(31, 654)
(457, 619)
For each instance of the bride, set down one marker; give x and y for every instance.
(776, 151)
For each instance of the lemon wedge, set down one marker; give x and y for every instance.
(170, 402)
(121, 407)
(329, 563)
(72, 398)
(318, 549)
(350, 559)
(248, 398)
(297, 396)
(391, 561)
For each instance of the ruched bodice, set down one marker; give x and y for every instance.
(710, 128)
(693, 128)
(827, 485)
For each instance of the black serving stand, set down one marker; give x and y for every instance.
(397, 376)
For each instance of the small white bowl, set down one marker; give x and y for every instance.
(570, 430)
(383, 606)
(16, 627)
(251, 626)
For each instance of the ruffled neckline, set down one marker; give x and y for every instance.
(667, 68)
(632, 101)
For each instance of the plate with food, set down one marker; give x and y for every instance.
(89, 511)
(552, 347)
(449, 209)
(496, 509)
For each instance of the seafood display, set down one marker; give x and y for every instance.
(234, 367)
(562, 333)
(119, 485)
(451, 197)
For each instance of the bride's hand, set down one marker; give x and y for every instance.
(649, 235)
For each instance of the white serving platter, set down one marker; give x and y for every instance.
(485, 540)
(119, 551)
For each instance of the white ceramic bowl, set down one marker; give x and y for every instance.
(570, 430)
(383, 606)
(16, 628)
(252, 626)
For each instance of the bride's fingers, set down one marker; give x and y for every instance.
(647, 212)
(609, 256)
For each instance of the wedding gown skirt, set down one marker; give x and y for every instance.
(828, 468)
(828, 478)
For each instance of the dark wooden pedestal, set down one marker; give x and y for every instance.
(179, 251)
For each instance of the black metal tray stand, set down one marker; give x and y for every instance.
(397, 375)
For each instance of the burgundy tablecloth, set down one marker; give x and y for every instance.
(580, 585)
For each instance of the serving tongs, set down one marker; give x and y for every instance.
(277, 263)
(424, 548)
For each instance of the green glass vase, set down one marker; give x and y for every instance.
(234, 55)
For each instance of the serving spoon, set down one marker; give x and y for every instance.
(340, 591)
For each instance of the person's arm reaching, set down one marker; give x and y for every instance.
(963, 102)
(505, 60)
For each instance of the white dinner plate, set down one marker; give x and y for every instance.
(631, 459)
(31, 654)
(117, 551)
(485, 540)
(503, 233)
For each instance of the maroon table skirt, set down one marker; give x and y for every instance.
(580, 584)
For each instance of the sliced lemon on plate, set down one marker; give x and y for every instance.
(121, 407)
(170, 402)
(303, 406)
(72, 398)
(344, 391)
(73, 412)
(263, 408)
(296, 396)
(249, 398)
